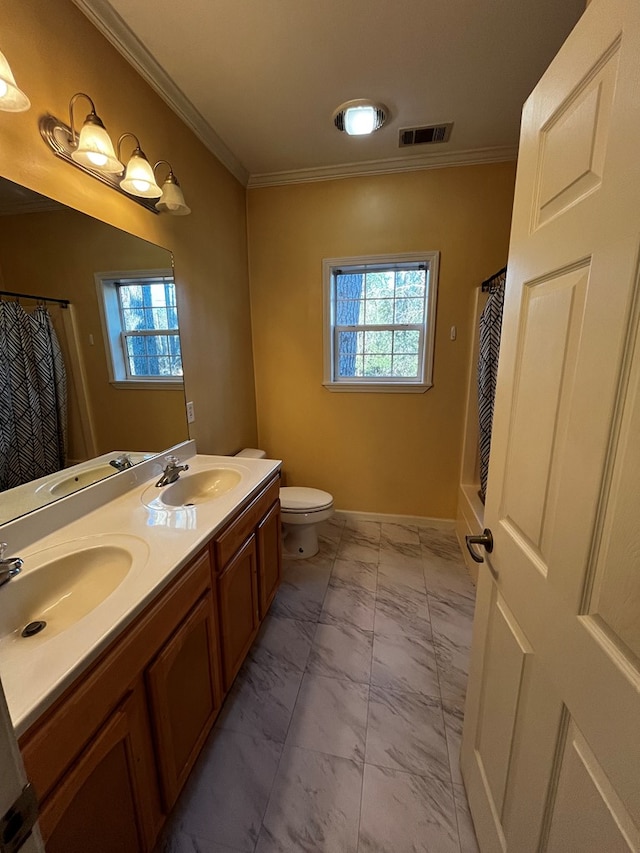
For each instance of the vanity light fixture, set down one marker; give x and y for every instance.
(172, 200)
(12, 99)
(92, 151)
(93, 147)
(139, 178)
(360, 117)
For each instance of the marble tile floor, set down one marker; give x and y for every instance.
(342, 731)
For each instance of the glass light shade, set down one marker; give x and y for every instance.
(95, 149)
(12, 99)
(359, 121)
(172, 200)
(139, 179)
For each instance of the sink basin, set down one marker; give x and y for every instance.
(72, 482)
(193, 489)
(63, 584)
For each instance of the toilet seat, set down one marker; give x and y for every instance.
(298, 499)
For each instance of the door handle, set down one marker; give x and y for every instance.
(485, 539)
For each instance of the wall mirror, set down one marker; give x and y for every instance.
(52, 252)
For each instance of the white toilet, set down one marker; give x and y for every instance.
(302, 509)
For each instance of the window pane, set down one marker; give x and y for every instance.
(138, 366)
(380, 285)
(174, 345)
(157, 318)
(133, 319)
(407, 341)
(349, 342)
(409, 311)
(172, 318)
(348, 312)
(350, 365)
(378, 312)
(377, 365)
(410, 283)
(377, 342)
(135, 345)
(349, 345)
(349, 286)
(406, 366)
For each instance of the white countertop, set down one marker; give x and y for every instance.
(36, 670)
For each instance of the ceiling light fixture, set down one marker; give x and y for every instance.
(139, 178)
(172, 200)
(92, 151)
(360, 117)
(12, 99)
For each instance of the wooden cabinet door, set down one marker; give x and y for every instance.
(269, 557)
(102, 805)
(238, 600)
(185, 696)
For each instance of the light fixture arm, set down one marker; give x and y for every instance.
(92, 118)
(170, 176)
(137, 149)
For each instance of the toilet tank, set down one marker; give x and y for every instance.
(252, 453)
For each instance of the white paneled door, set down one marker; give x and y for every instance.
(551, 744)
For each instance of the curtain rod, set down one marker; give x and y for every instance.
(63, 302)
(486, 284)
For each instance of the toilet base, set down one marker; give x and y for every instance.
(299, 541)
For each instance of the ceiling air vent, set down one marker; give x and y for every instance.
(425, 135)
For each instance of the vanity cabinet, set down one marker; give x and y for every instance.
(110, 757)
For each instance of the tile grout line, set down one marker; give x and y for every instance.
(366, 727)
(304, 672)
(444, 722)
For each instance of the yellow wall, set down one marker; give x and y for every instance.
(387, 453)
(54, 52)
(71, 247)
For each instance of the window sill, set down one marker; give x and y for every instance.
(378, 387)
(147, 384)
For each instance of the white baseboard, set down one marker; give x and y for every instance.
(417, 520)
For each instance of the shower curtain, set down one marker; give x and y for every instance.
(33, 396)
(490, 328)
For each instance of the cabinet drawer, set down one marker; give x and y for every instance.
(228, 542)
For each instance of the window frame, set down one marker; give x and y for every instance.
(115, 335)
(427, 329)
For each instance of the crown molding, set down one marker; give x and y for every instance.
(112, 26)
(115, 30)
(472, 157)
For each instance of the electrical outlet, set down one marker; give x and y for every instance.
(191, 414)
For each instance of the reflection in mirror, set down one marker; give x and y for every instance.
(63, 258)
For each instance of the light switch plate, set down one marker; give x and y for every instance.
(191, 414)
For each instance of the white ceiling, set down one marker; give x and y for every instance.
(259, 80)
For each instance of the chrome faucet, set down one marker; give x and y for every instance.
(121, 463)
(9, 566)
(171, 472)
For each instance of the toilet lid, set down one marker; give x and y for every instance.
(300, 499)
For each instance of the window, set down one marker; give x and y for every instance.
(140, 320)
(380, 322)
